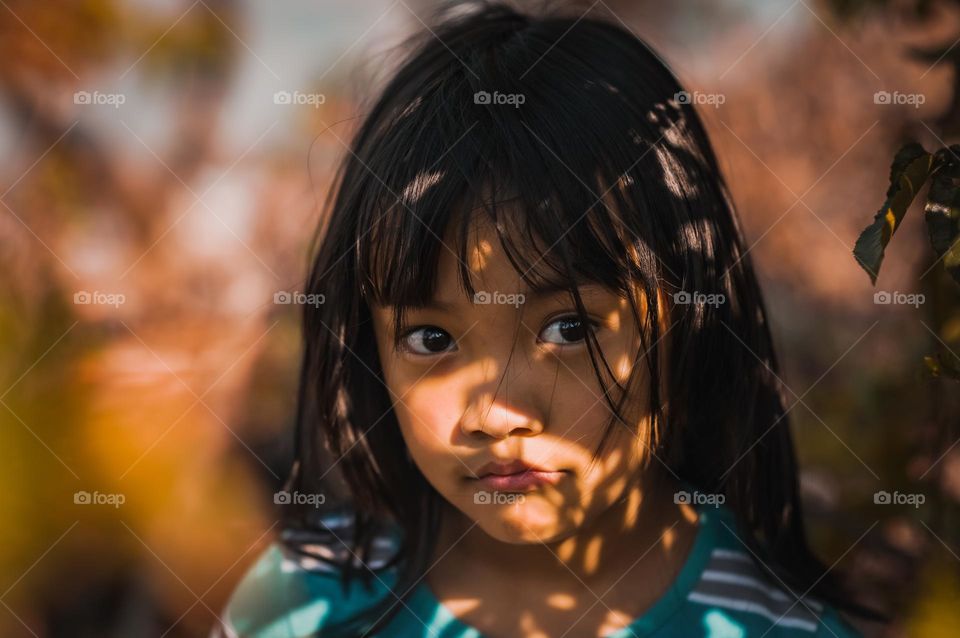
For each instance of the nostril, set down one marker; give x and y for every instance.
(498, 421)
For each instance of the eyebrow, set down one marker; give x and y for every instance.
(549, 289)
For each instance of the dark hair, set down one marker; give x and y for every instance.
(612, 179)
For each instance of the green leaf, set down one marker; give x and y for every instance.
(941, 365)
(911, 167)
(942, 212)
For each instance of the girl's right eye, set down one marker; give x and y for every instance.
(426, 340)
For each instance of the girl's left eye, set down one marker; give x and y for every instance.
(427, 340)
(566, 331)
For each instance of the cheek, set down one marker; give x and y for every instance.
(581, 416)
(428, 421)
(581, 410)
(621, 466)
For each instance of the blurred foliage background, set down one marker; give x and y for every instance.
(157, 194)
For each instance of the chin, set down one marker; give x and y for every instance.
(522, 523)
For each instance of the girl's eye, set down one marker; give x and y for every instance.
(565, 331)
(427, 340)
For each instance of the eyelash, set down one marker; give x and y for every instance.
(400, 342)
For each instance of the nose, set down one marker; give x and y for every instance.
(504, 395)
(496, 419)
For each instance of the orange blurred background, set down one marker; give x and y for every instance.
(164, 164)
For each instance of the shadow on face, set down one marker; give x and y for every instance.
(504, 381)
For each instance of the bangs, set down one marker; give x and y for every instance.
(553, 240)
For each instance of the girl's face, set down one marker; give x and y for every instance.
(507, 378)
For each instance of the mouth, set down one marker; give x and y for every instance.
(516, 476)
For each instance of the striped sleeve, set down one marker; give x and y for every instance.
(737, 592)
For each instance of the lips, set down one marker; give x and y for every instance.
(507, 468)
(516, 476)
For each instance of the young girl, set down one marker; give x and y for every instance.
(540, 397)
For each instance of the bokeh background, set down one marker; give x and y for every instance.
(165, 162)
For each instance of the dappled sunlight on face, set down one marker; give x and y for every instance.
(507, 376)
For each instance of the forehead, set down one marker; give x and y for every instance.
(485, 260)
(490, 269)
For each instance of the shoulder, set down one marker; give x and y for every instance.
(734, 596)
(288, 594)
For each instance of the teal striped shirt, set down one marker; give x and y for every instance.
(719, 593)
